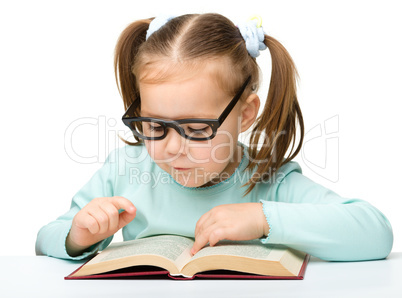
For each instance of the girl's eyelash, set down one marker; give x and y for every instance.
(152, 128)
(198, 129)
(191, 129)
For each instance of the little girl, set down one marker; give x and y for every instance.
(189, 88)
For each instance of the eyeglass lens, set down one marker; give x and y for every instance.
(153, 129)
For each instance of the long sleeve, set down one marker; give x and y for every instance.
(51, 238)
(309, 217)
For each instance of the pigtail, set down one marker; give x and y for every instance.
(278, 119)
(126, 51)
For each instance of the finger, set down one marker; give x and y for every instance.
(123, 203)
(216, 235)
(101, 217)
(113, 215)
(202, 239)
(198, 244)
(125, 218)
(88, 222)
(200, 225)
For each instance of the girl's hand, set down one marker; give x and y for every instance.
(245, 221)
(98, 220)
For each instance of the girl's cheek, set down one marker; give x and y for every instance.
(199, 155)
(223, 150)
(154, 150)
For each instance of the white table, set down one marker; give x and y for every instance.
(32, 276)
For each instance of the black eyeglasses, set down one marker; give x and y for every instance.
(148, 128)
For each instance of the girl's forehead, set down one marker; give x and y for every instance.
(194, 97)
(214, 71)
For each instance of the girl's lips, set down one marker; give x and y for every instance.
(182, 169)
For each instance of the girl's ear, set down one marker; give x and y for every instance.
(249, 111)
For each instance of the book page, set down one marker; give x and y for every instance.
(168, 246)
(250, 249)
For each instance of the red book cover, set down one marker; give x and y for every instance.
(152, 272)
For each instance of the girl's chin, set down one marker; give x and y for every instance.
(191, 183)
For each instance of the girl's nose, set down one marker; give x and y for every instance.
(175, 143)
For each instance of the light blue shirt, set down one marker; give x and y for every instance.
(301, 213)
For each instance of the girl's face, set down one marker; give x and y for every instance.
(193, 163)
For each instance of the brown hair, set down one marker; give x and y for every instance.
(191, 40)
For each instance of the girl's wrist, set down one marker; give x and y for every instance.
(264, 222)
(73, 249)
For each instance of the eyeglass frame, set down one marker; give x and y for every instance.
(213, 123)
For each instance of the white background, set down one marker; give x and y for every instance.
(56, 69)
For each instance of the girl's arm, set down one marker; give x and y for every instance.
(309, 217)
(51, 239)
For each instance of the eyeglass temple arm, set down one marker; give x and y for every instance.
(130, 111)
(233, 101)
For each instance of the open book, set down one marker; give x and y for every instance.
(239, 259)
